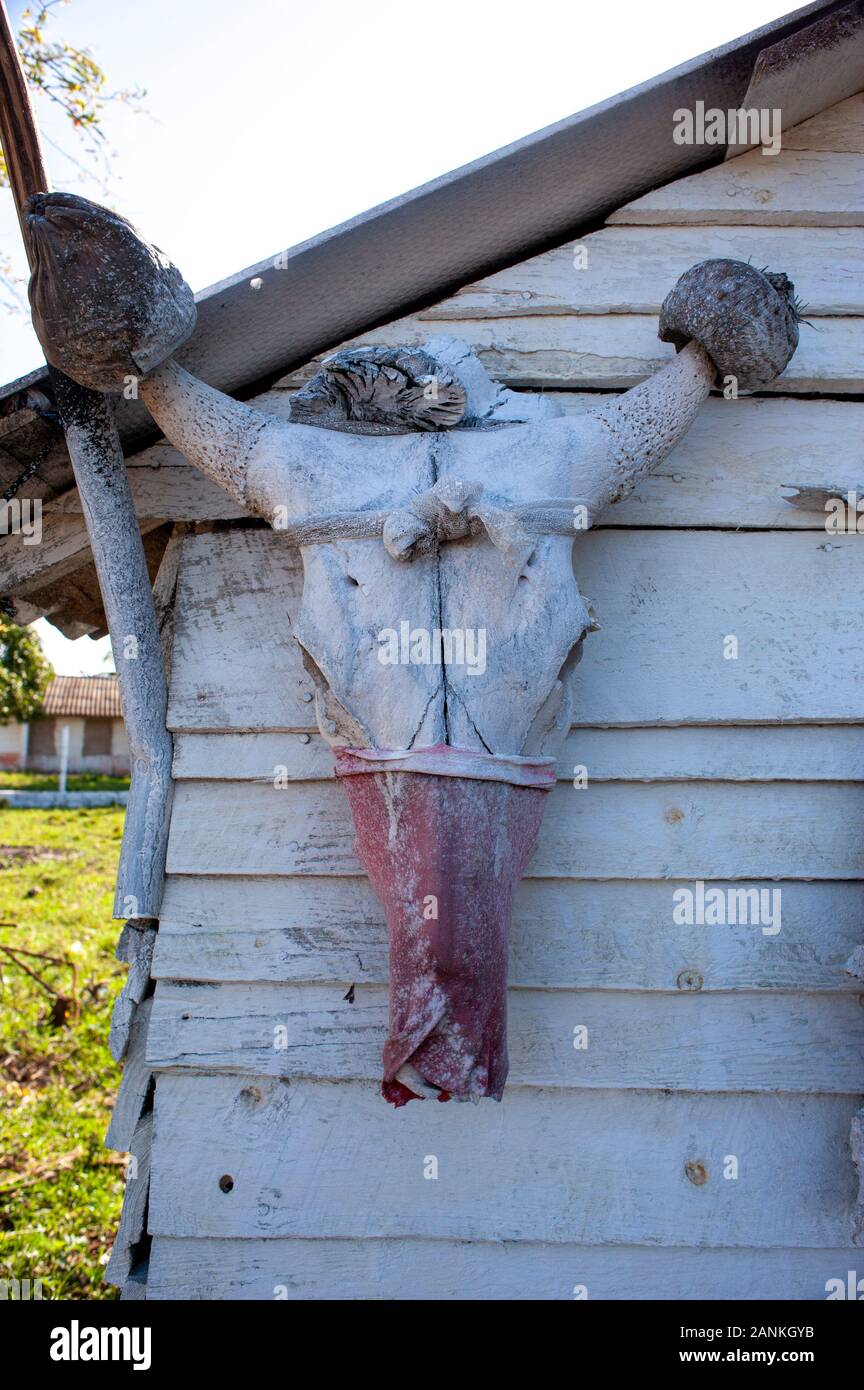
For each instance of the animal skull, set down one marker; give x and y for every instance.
(467, 530)
(436, 515)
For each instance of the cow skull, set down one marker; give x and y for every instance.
(436, 515)
(468, 530)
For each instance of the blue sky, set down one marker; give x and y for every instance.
(267, 122)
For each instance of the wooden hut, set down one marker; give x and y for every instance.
(686, 1031)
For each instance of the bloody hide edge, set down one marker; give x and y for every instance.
(445, 834)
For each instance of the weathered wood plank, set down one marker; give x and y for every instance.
(727, 471)
(678, 1041)
(798, 187)
(685, 830)
(64, 539)
(771, 752)
(160, 478)
(134, 1211)
(787, 599)
(64, 545)
(565, 935)
(135, 1085)
(444, 1270)
(791, 600)
(731, 466)
(605, 351)
(856, 1144)
(248, 757)
(839, 128)
(630, 270)
(164, 593)
(135, 1287)
(135, 947)
(235, 596)
(182, 492)
(318, 1160)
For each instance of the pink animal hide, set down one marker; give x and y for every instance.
(445, 834)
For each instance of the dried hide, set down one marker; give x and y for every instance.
(444, 847)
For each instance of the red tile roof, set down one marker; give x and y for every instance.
(93, 696)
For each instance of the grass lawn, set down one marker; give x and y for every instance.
(60, 1188)
(48, 782)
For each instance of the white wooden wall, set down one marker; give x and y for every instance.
(603, 1167)
(12, 744)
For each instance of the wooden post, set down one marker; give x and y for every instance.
(115, 541)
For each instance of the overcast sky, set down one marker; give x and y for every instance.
(270, 120)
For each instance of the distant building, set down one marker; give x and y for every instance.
(90, 707)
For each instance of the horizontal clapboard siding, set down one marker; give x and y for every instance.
(839, 128)
(686, 830)
(666, 602)
(799, 188)
(729, 470)
(682, 1041)
(445, 1270)
(314, 1160)
(236, 664)
(705, 1042)
(632, 269)
(798, 753)
(565, 935)
(548, 351)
